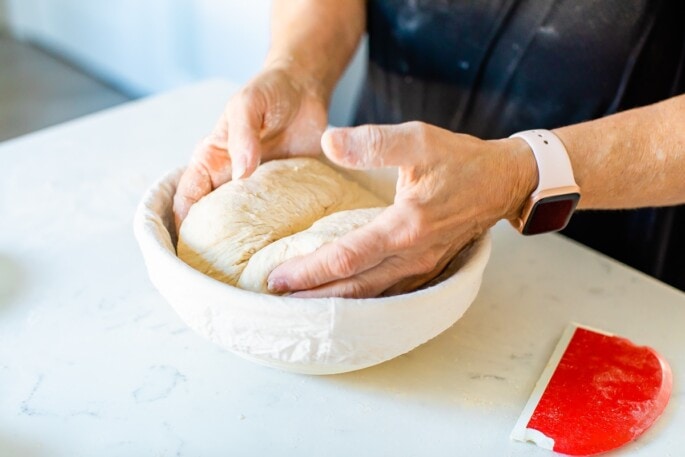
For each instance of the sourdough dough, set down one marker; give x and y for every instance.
(323, 231)
(283, 197)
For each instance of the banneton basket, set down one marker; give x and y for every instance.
(312, 336)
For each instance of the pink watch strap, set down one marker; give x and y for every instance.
(554, 166)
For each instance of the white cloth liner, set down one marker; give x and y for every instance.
(313, 336)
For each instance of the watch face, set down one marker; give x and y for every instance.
(551, 214)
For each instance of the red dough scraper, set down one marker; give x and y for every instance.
(597, 392)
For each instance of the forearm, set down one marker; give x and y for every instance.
(315, 39)
(631, 159)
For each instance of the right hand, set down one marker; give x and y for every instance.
(451, 187)
(275, 115)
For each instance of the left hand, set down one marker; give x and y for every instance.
(278, 114)
(451, 188)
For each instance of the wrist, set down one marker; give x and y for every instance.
(556, 195)
(520, 170)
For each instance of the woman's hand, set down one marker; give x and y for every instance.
(451, 188)
(277, 114)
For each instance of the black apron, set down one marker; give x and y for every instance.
(491, 68)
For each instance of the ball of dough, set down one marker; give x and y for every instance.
(282, 197)
(325, 230)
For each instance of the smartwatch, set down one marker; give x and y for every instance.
(550, 206)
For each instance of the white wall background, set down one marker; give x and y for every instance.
(148, 46)
(3, 16)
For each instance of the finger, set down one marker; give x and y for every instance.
(214, 160)
(412, 283)
(375, 146)
(220, 132)
(393, 276)
(209, 168)
(212, 153)
(432, 271)
(194, 184)
(357, 251)
(244, 128)
(370, 283)
(407, 285)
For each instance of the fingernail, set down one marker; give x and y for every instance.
(238, 169)
(334, 144)
(277, 285)
(334, 139)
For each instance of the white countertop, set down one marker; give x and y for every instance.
(93, 362)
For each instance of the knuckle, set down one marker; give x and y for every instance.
(375, 137)
(355, 289)
(248, 94)
(247, 99)
(428, 262)
(343, 262)
(420, 264)
(195, 173)
(418, 226)
(417, 127)
(419, 130)
(214, 140)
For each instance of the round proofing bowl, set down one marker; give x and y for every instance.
(315, 335)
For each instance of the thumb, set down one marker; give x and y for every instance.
(373, 146)
(244, 144)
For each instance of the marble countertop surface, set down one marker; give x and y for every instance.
(93, 362)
